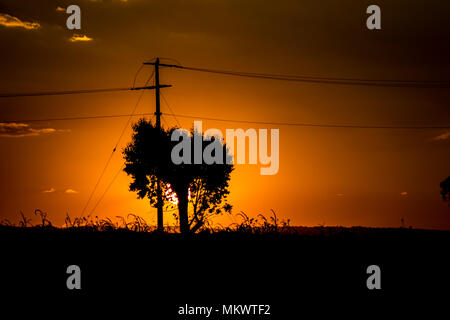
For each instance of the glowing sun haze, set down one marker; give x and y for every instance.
(326, 175)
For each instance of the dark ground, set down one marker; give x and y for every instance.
(319, 271)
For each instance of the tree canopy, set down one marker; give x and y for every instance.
(201, 189)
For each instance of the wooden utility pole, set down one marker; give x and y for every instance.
(158, 105)
(159, 203)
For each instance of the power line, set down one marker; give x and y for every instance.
(228, 120)
(339, 81)
(170, 109)
(66, 92)
(115, 147)
(164, 120)
(299, 124)
(98, 181)
(302, 77)
(134, 110)
(108, 187)
(139, 70)
(282, 77)
(106, 190)
(295, 78)
(76, 118)
(325, 80)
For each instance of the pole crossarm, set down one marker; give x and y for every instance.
(164, 65)
(151, 87)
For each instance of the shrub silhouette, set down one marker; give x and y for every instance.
(205, 186)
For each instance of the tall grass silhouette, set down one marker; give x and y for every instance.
(134, 223)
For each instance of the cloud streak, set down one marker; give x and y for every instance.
(9, 21)
(51, 190)
(23, 130)
(444, 136)
(80, 38)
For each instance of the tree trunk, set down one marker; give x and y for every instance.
(183, 212)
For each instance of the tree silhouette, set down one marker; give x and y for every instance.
(445, 189)
(205, 186)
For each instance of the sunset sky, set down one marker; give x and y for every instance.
(331, 176)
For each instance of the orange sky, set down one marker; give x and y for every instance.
(326, 176)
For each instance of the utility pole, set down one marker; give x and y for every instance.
(158, 105)
(159, 202)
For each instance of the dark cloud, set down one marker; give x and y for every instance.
(413, 38)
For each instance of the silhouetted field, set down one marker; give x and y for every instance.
(294, 269)
(287, 232)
